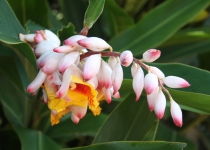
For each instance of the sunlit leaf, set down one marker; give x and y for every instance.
(93, 11)
(116, 19)
(157, 26)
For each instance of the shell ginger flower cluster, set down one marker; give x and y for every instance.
(74, 77)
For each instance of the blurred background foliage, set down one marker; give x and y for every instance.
(179, 28)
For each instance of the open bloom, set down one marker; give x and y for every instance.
(80, 93)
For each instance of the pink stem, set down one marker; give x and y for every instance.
(115, 54)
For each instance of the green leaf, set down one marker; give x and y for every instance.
(35, 140)
(134, 6)
(93, 11)
(8, 68)
(68, 129)
(116, 19)
(185, 42)
(133, 146)
(69, 7)
(10, 29)
(16, 104)
(187, 36)
(66, 31)
(9, 25)
(130, 120)
(31, 26)
(181, 51)
(35, 10)
(157, 26)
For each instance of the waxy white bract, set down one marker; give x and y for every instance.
(126, 58)
(176, 113)
(160, 105)
(138, 82)
(150, 83)
(37, 82)
(151, 55)
(92, 66)
(43, 47)
(94, 44)
(151, 99)
(175, 82)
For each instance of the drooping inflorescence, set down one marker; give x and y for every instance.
(73, 78)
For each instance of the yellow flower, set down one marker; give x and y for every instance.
(80, 94)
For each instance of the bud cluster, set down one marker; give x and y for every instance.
(58, 65)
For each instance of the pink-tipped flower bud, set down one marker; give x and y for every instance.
(39, 37)
(72, 42)
(65, 83)
(150, 83)
(157, 72)
(107, 95)
(160, 105)
(67, 60)
(74, 118)
(46, 35)
(138, 82)
(27, 37)
(105, 75)
(116, 95)
(80, 112)
(37, 82)
(176, 113)
(43, 47)
(117, 77)
(49, 35)
(126, 58)
(151, 99)
(94, 44)
(175, 82)
(63, 49)
(92, 66)
(151, 55)
(51, 64)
